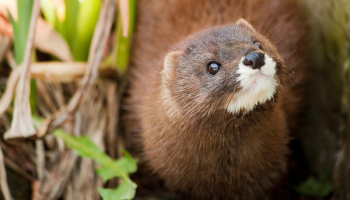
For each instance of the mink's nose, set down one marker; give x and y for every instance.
(254, 60)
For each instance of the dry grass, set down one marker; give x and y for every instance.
(71, 96)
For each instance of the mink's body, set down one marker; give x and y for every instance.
(224, 135)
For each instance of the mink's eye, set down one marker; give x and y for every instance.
(257, 45)
(213, 67)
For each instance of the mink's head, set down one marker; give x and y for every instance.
(232, 68)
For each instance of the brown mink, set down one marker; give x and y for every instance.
(214, 93)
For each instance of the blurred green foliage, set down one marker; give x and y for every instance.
(77, 25)
(319, 187)
(110, 168)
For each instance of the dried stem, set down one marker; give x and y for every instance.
(54, 185)
(22, 124)
(99, 40)
(124, 13)
(40, 160)
(3, 178)
(11, 59)
(5, 45)
(112, 108)
(6, 98)
(58, 71)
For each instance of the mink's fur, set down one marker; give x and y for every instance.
(177, 123)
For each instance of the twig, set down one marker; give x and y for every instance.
(99, 40)
(22, 124)
(4, 186)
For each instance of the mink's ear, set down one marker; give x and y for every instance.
(170, 62)
(242, 22)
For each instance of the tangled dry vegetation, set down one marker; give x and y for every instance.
(79, 97)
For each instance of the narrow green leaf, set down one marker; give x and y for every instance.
(16, 34)
(124, 191)
(21, 31)
(123, 44)
(33, 95)
(69, 26)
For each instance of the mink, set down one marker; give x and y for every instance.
(214, 94)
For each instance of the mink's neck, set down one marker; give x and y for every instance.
(221, 123)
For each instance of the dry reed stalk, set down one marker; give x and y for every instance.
(112, 109)
(3, 178)
(93, 110)
(55, 182)
(5, 44)
(22, 124)
(11, 59)
(90, 119)
(40, 159)
(49, 71)
(125, 16)
(18, 169)
(98, 44)
(6, 98)
(60, 72)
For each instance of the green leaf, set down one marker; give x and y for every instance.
(49, 11)
(16, 36)
(320, 187)
(33, 95)
(70, 23)
(110, 168)
(124, 191)
(83, 145)
(21, 28)
(85, 27)
(123, 44)
(126, 164)
(79, 24)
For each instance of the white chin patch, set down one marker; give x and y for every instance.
(257, 86)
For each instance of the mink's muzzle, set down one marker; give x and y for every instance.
(255, 60)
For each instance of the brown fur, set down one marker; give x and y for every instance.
(188, 139)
